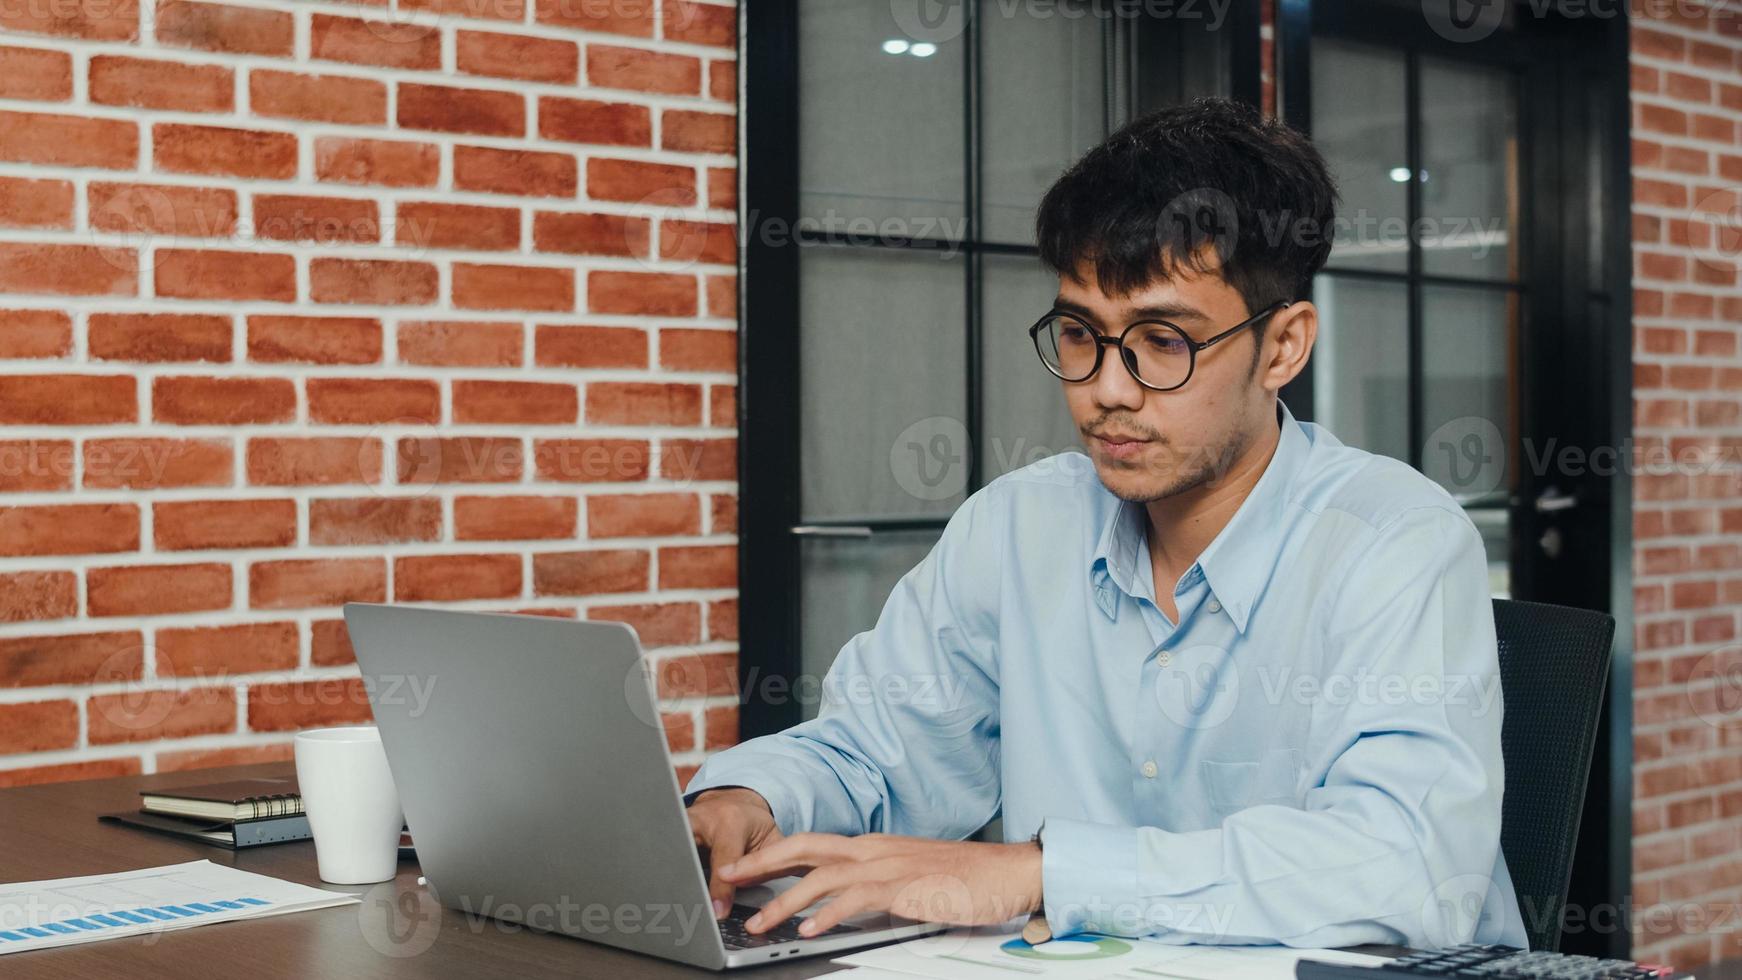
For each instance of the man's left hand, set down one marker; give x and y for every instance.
(955, 882)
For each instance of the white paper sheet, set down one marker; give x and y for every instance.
(67, 911)
(1000, 954)
(1252, 962)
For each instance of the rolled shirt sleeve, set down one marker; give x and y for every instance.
(1401, 826)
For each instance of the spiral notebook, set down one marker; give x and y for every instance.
(236, 800)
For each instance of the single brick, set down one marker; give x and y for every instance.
(314, 339)
(221, 27)
(188, 525)
(526, 173)
(156, 590)
(143, 83)
(221, 151)
(591, 121)
(313, 460)
(374, 520)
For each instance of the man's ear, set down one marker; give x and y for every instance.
(1288, 341)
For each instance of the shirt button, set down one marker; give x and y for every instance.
(1214, 606)
(1149, 770)
(1163, 658)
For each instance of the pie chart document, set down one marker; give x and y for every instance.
(998, 953)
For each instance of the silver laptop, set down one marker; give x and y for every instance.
(532, 766)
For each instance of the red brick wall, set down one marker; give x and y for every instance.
(309, 302)
(1687, 235)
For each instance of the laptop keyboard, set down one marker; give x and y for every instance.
(737, 937)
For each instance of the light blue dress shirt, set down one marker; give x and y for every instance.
(1309, 756)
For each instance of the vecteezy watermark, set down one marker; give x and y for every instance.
(424, 463)
(403, 923)
(106, 463)
(1123, 917)
(1722, 209)
(1469, 21)
(680, 922)
(1206, 222)
(1656, 919)
(1471, 455)
(1460, 908)
(575, 13)
(939, 693)
(396, 690)
(775, 231)
(127, 220)
(1198, 687)
(930, 458)
(1282, 684)
(26, 910)
(1714, 687)
(1365, 230)
(1466, 455)
(937, 21)
(684, 236)
(137, 707)
(1464, 21)
(399, 922)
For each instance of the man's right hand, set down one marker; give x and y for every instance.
(729, 823)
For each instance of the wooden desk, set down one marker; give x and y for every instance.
(52, 832)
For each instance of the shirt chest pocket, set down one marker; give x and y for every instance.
(1234, 786)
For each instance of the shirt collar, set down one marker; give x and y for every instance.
(1239, 562)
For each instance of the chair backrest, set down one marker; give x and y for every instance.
(1554, 663)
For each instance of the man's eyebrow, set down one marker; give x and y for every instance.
(1161, 311)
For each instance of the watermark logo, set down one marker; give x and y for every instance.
(397, 923)
(1461, 907)
(139, 216)
(640, 688)
(135, 708)
(684, 240)
(1722, 208)
(1466, 455)
(416, 476)
(930, 21)
(1464, 21)
(1714, 687)
(401, 26)
(1206, 219)
(930, 458)
(1198, 686)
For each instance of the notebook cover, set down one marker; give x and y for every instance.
(248, 833)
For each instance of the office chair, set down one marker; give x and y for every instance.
(1554, 663)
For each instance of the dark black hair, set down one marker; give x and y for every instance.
(1212, 172)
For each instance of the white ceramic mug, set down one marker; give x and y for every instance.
(352, 804)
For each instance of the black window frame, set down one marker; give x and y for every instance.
(769, 406)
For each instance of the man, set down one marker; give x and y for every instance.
(1295, 740)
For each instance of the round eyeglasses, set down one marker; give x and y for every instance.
(1158, 354)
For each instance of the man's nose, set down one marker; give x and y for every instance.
(1114, 385)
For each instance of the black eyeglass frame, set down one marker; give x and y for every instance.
(1102, 341)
